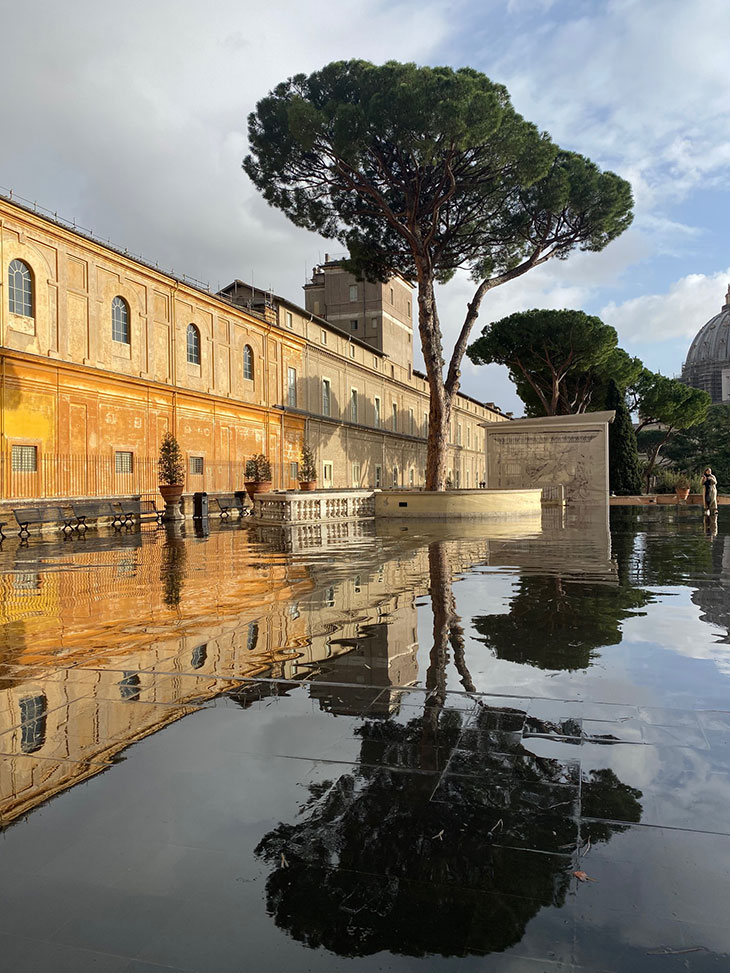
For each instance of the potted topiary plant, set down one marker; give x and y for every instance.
(257, 475)
(171, 469)
(307, 469)
(681, 487)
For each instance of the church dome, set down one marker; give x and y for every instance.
(709, 354)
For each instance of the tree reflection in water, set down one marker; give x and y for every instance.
(447, 836)
(174, 567)
(558, 624)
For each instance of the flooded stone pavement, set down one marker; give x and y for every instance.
(501, 749)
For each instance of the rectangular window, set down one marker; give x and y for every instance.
(458, 434)
(395, 417)
(291, 387)
(356, 474)
(24, 459)
(289, 320)
(392, 296)
(468, 436)
(353, 325)
(294, 471)
(326, 397)
(353, 292)
(352, 350)
(411, 477)
(395, 476)
(378, 477)
(327, 474)
(425, 423)
(409, 309)
(377, 412)
(196, 465)
(316, 308)
(323, 337)
(123, 462)
(353, 405)
(411, 423)
(374, 324)
(375, 362)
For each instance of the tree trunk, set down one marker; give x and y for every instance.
(439, 413)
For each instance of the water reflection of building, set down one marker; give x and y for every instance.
(95, 655)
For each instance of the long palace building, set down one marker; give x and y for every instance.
(102, 354)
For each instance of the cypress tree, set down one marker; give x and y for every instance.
(623, 457)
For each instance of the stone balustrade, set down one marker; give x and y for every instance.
(319, 506)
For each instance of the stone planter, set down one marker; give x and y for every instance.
(682, 493)
(257, 486)
(171, 493)
(307, 485)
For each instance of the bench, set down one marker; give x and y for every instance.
(227, 502)
(26, 516)
(137, 509)
(96, 509)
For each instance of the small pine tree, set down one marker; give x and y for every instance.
(308, 467)
(624, 474)
(170, 466)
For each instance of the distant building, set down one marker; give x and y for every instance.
(708, 359)
(103, 353)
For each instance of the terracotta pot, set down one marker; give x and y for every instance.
(171, 492)
(307, 485)
(682, 493)
(257, 486)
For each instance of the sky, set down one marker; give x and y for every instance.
(131, 120)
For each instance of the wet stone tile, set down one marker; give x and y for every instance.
(570, 728)
(619, 731)
(682, 735)
(482, 740)
(470, 763)
(530, 767)
(404, 756)
(609, 712)
(663, 716)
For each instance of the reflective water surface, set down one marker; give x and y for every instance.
(492, 748)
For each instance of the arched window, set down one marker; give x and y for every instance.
(120, 320)
(20, 288)
(193, 345)
(248, 363)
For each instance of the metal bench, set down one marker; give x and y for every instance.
(136, 509)
(95, 510)
(26, 516)
(226, 502)
(148, 508)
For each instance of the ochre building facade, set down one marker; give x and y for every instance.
(102, 354)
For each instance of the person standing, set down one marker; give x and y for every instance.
(709, 488)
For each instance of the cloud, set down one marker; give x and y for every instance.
(134, 125)
(679, 312)
(643, 89)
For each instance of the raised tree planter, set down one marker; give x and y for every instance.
(483, 504)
